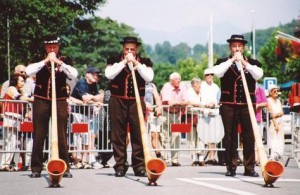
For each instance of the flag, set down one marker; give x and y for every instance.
(287, 49)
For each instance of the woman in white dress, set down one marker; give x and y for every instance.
(210, 126)
(276, 133)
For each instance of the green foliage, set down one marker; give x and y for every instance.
(90, 42)
(30, 20)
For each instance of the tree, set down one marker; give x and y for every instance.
(93, 44)
(30, 20)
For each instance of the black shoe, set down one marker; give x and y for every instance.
(105, 165)
(209, 162)
(158, 155)
(222, 163)
(230, 173)
(195, 163)
(120, 173)
(176, 164)
(202, 163)
(141, 173)
(35, 175)
(67, 174)
(251, 173)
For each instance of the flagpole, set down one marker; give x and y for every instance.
(287, 36)
(210, 44)
(253, 35)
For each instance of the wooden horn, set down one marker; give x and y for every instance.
(154, 166)
(55, 167)
(271, 170)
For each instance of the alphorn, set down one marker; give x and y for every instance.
(154, 166)
(271, 170)
(55, 167)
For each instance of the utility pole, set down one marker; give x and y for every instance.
(8, 44)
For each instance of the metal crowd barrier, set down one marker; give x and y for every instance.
(15, 132)
(89, 131)
(295, 131)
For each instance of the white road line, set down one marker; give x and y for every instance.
(213, 186)
(242, 179)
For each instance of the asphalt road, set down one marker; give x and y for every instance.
(184, 180)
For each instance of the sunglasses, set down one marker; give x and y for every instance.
(275, 91)
(209, 75)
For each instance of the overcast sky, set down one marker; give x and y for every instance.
(188, 20)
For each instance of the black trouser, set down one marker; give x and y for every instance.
(41, 116)
(121, 112)
(231, 115)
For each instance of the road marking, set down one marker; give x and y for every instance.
(242, 179)
(213, 186)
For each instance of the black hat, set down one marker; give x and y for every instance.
(51, 39)
(92, 70)
(130, 40)
(237, 38)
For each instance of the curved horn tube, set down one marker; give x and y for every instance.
(55, 167)
(154, 166)
(271, 170)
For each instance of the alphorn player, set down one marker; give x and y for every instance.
(40, 67)
(234, 107)
(123, 107)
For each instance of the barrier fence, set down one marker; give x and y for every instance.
(177, 129)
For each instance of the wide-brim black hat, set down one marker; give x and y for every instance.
(51, 39)
(130, 40)
(237, 38)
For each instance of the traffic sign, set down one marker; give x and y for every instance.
(269, 81)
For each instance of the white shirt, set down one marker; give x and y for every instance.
(193, 97)
(111, 71)
(32, 69)
(210, 93)
(254, 70)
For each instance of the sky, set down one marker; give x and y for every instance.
(188, 21)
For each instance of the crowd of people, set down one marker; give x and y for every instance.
(213, 113)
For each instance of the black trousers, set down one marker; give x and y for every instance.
(231, 115)
(41, 117)
(121, 112)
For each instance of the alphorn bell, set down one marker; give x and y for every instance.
(154, 166)
(271, 170)
(55, 167)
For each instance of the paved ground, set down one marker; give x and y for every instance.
(175, 180)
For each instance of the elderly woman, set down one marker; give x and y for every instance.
(12, 114)
(275, 131)
(210, 126)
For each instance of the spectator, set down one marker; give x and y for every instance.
(41, 69)
(210, 126)
(155, 120)
(193, 99)
(275, 130)
(86, 90)
(261, 102)
(29, 81)
(123, 107)
(234, 104)
(173, 95)
(104, 134)
(12, 116)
